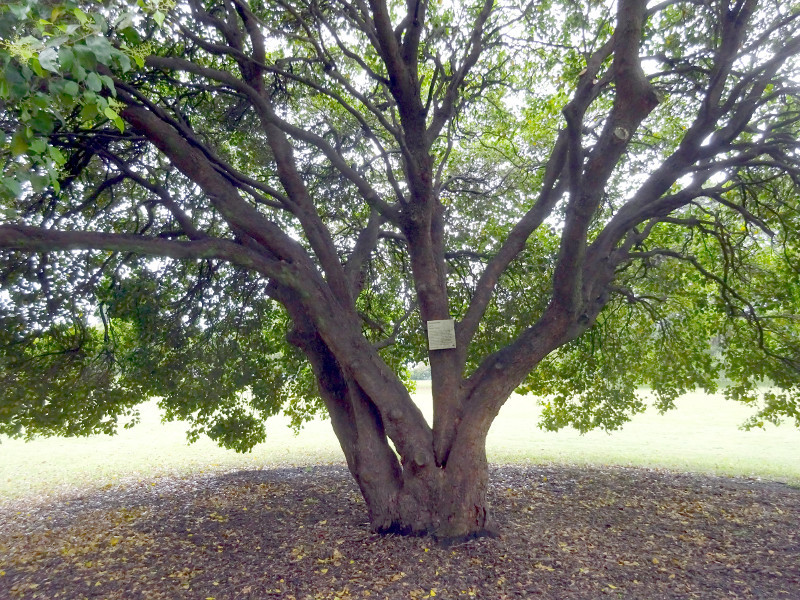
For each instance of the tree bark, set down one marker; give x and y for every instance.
(402, 496)
(406, 495)
(449, 503)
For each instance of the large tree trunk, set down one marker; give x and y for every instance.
(447, 502)
(406, 495)
(401, 495)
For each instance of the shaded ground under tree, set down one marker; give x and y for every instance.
(568, 533)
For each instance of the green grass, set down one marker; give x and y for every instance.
(702, 435)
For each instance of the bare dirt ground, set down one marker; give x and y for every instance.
(567, 533)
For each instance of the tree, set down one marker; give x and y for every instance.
(246, 206)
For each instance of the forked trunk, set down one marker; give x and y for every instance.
(449, 503)
(411, 494)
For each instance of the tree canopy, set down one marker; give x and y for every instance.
(245, 207)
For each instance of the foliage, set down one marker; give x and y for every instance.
(280, 135)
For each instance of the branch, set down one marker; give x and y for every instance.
(251, 25)
(471, 254)
(396, 329)
(556, 178)
(644, 301)
(243, 218)
(365, 244)
(370, 195)
(403, 82)
(650, 201)
(268, 117)
(746, 214)
(166, 199)
(634, 99)
(248, 184)
(444, 112)
(39, 239)
(552, 188)
(726, 290)
(301, 206)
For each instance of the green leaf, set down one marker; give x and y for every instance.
(13, 75)
(38, 182)
(38, 145)
(86, 57)
(66, 58)
(115, 118)
(56, 155)
(131, 36)
(88, 111)
(101, 48)
(37, 67)
(15, 188)
(72, 89)
(100, 21)
(19, 143)
(48, 58)
(125, 21)
(70, 29)
(83, 19)
(19, 10)
(158, 17)
(124, 62)
(93, 82)
(43, 123)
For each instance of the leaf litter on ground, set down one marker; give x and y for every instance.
(567, 533)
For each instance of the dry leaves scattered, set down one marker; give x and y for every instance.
(293, 533)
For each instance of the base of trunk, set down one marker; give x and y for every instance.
(443, 538)
(448, 504)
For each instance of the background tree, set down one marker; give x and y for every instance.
(242, 207)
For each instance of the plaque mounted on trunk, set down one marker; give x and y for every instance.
(441, 334)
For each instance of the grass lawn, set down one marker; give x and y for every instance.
(702, 436)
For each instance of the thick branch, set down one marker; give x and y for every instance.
(633, 101)
(514, 244)
(242, 217)
(365, 245)
(38, 239)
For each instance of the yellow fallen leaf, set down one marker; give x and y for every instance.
(655, 561)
